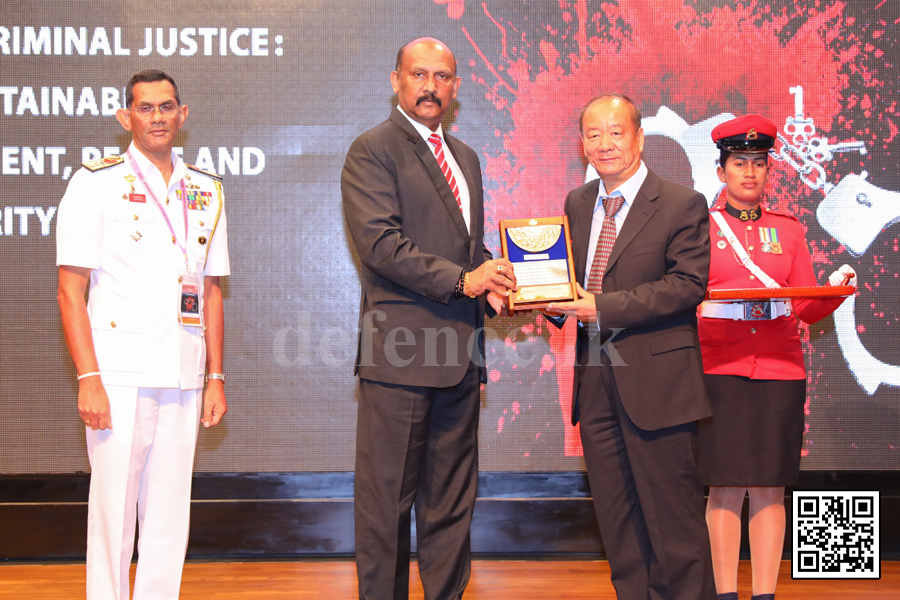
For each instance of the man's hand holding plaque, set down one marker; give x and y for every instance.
(540, 251)
(498, 279)
(584, 309)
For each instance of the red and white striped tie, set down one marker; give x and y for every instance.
(445, 168)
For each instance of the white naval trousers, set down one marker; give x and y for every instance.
(141, 469)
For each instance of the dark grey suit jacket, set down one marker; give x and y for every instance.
(656, 276)
(413, 244)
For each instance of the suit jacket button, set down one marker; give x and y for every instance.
(753, 330)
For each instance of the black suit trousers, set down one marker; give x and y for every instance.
(647, 496)
(415, 445)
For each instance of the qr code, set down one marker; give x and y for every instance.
(836, 535)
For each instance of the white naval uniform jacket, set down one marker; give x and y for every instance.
(135, 294)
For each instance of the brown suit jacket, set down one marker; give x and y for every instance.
(656, 276)
(413, 244)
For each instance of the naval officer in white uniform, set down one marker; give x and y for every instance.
(148, 233)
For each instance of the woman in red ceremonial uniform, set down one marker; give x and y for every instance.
(752, 359)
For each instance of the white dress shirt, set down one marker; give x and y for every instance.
(461, 185)
(629, 191)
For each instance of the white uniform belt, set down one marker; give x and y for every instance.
(750, 310)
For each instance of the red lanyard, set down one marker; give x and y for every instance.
(140, 175)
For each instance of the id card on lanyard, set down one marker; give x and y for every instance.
(189, 313)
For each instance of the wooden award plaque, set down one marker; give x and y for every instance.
(540, 250)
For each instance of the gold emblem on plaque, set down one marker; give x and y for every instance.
(536, 238)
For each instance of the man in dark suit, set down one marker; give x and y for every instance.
(414, 207)
(643, 256)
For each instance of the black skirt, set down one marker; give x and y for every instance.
(755, 433)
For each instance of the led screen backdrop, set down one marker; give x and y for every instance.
(278, 90)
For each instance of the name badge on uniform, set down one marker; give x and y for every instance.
(137, 198)
(189, 312)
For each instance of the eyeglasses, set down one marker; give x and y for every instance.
(145, 111)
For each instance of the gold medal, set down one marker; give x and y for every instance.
(536, 238)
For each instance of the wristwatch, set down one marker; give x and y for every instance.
(219, 376)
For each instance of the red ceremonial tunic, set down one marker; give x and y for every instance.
(766, 349)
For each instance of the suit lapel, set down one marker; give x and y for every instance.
(639, 215)
(476, 206)
(580, 227)
(425, 154)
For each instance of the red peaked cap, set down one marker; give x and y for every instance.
(750, 133)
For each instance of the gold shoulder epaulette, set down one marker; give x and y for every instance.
(207, 173)
(102, 163)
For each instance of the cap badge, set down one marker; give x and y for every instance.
(751, 134)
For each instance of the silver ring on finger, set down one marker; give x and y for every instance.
(499, 268)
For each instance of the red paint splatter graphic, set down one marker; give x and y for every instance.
(455, 8)
(538, 64)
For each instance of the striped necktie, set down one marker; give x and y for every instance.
(445, 168)
(605, 243)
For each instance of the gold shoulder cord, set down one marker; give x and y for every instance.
(216, 222)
